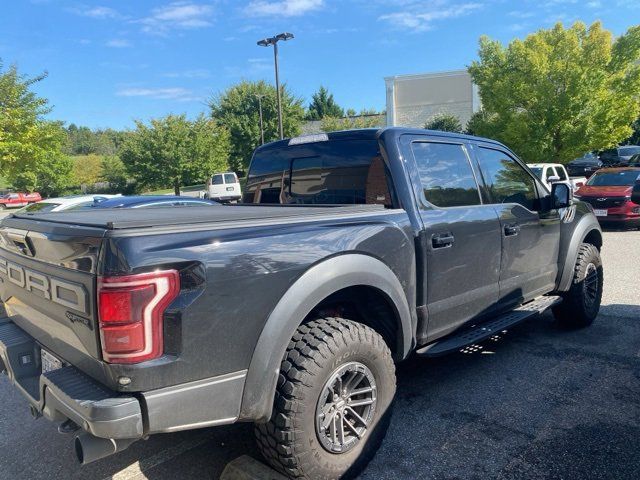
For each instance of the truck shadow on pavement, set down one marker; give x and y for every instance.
(537, 402)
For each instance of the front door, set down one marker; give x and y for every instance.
(530, 235)
(462, 237)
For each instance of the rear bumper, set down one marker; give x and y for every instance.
(68, 393)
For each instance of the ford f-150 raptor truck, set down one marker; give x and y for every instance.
(351, 251)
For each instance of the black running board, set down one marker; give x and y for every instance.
(481, 331)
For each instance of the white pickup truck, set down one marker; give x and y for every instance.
(551, 173)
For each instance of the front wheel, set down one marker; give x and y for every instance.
(581, 304)
(333, 401)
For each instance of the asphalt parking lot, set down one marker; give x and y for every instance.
(540, 402)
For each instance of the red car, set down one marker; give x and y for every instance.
(609, 193)
(17, 200)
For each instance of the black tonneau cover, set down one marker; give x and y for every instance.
(116, 219)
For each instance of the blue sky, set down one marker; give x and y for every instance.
(110, 62)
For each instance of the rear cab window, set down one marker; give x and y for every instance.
(332, 172)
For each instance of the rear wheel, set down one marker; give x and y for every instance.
(581, 304)
(333, 401)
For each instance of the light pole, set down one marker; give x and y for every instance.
(259, 96)
(266, 43)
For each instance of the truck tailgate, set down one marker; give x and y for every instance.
(47, 281)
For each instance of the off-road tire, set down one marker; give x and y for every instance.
(581, 304)
(319, 348)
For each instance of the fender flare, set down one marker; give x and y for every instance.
(586, 225)
(309, 290)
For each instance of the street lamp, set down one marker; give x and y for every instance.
(267, 42)
(260, 96)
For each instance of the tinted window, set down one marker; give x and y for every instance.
(506, 180)
(229, 178)
(329, 172)
(446, 175)
(217, 180)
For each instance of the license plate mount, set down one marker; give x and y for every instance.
(49, 361)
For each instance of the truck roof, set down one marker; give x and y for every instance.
(371, 134)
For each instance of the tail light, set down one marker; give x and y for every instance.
(130, 310)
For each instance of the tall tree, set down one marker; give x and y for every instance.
(323, 105)
(175, 151)
(444, 122)
(559, 92)
(31, 155)
(237, 110)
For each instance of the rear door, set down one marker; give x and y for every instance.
(462, 236)
(530, 235)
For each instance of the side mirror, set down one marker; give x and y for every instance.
(560, 195)
(635, 194)
(553, 178)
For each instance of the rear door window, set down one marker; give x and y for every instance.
(217, 180)
(230, 178)
(446, 174)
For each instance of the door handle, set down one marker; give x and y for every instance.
(442, 240)
(511, 230)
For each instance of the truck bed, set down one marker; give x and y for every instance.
(116, 219)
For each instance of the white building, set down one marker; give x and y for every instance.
(412, 100)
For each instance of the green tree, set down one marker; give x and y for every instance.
(86, 169)
(113, 171)
(363, 120)
(634, 139)
(444, 122)
(559, 92)
(323, 105)
(237, 110)
(31, 155)
(175, 151)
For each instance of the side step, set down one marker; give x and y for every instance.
(481, 331)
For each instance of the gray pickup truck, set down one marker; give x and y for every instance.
(351, 251)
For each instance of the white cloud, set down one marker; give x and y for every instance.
(171, 93)
(282, 8)
(417, 19)
(97, 12)
(195, 73)
(118, 43)
(594, 4)
(177, 15)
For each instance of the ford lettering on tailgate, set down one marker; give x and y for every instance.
(62, 292)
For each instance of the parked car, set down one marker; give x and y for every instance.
(61, 204)
(550, 173)
(609, 193)
(622, 154)
(225, 187)
(585, 165)
(152, 201)
(355, 249)
(18, 200)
